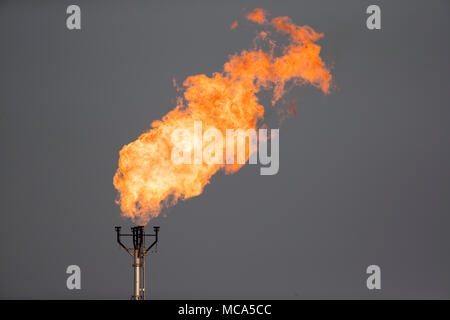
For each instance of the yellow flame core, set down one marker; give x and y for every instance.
(148, 181)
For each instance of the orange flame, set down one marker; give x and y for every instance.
(148, 181)
(258, 15)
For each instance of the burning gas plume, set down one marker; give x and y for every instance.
(147, 179)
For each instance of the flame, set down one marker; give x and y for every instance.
(258, 15)
(148, 181)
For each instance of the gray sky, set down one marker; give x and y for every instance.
(364, 172)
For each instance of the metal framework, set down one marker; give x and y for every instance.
(138, 252)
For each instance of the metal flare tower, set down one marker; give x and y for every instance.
(138, 252)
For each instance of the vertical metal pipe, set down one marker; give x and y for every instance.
(143, 276)
(137, 276)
